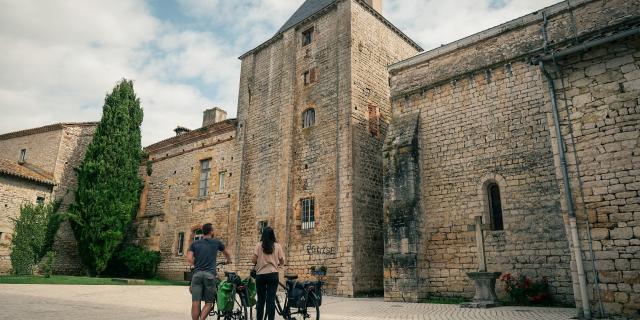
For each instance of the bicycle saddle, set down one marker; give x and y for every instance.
(291, 276)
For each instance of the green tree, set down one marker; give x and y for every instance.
(31, 236)
(108, 192)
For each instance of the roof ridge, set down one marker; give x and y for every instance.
(45, 128)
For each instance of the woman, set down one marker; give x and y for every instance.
(267, 256)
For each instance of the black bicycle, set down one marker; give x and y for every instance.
(240, 294)
(301, 298)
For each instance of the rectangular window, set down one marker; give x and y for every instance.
(374, 121)
(310, 76)
(307, 36)
(180, 243)
(205, 174)
(40, 200)
(23, 155)
(221, 175)
(261, 225)
(197, 235)
(308, 213)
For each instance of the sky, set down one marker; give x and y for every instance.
(59, 58)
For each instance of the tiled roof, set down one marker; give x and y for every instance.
(307, 9)
(26, 171)
(194, 135)
(51, 127)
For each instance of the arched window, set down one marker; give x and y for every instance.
(308, 118)
(495, 206)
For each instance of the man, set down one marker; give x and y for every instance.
(202, 256)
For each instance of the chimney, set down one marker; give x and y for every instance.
(213, 115)
(180, 130)
(375, 4)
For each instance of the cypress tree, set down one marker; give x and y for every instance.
(108, 191)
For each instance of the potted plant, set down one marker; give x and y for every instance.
(318, 271)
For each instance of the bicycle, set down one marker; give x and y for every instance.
(240, 294)
(307, 302)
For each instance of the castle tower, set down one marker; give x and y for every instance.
(313, 111)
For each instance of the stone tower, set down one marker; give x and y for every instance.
(313, 110)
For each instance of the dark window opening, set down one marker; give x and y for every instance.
(261, 225)
(40, 200)
(495, 207)
(180, 243)
(23, 155)
(309, 76)
(308, 118)
(308, 213)
(205, 175)
(307, 36)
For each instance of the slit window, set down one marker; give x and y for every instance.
(180, 243)
(221, 175)
(308, 118)
(308, 213)
(205, 174)
(495, 207)
(307, 36)
(23, 155)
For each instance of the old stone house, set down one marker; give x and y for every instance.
(36, 165)
(533, 125)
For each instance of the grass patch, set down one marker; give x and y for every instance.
(72, 280)
(445, 300)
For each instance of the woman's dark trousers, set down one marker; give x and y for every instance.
(266, 287)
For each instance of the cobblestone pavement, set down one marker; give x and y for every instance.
(150, 302)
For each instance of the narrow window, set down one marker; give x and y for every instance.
(40, 200)
(310, 76)
(180, 243)
(495, 206)
(374, 121)
(205, 173)
(261, 225)
(197, 235)
(1, 237)
(307, 78)
(23, 155)
(221, 175)
(308, 213)
(307, 36)
(308, 118)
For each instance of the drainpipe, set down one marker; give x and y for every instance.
(577, 251)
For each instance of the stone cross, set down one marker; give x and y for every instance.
(479, 228)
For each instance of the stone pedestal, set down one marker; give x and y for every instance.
(485, 290)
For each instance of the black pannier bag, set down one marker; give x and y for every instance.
(316, 288)
(297, 294)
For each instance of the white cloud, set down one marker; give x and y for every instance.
(59, 58)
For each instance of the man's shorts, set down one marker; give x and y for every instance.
(203, 286)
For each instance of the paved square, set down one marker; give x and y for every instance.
(160, 303)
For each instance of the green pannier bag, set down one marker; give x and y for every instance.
(251, 291)
(225, 300)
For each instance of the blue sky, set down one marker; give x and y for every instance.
(60, 57)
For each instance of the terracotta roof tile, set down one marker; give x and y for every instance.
(26, 171)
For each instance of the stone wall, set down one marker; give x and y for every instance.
(599, 96)
(485, 116)
(170, 202)
(14, 192)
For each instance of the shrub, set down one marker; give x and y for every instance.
(134, 261)
(33, 236)
(524, 290)
(47, 267)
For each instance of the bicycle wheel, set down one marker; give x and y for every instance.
(243, 304)
(313, 310)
